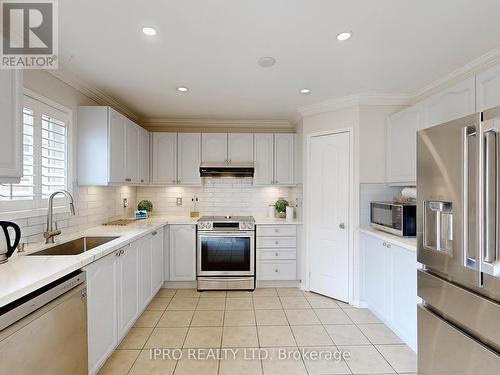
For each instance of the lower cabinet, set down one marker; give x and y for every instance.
(276, 252)
(119, 287)
(182, 252)
(390, 285)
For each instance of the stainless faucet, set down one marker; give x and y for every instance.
(50, 233)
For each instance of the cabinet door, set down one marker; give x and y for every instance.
(375, 274)
(11, 126)
(402, 130)
(214, 147)
(284, 159)
(128, 288)
(189, 158)
(132, 141)
(144, 157)
(101, 310)
(164, 158)
(488, 88)
(145, 253)
(116, 147)
(450, 104)
(240, 147)
(157, 276)
(264, 159)
(182, 252)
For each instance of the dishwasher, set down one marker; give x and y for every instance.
(45, 332)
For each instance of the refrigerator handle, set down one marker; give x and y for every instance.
(469, 133)
(480, 204)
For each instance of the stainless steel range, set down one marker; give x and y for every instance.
(226, 253)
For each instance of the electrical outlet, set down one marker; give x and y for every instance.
(178, 201)
(125, 202)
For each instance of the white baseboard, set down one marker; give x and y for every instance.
(278, 284)
(179, 284)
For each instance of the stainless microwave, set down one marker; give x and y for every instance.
(399, 219)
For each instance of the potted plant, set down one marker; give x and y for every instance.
(280, 206)
(145, 205)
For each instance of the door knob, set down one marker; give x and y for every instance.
(342, 226)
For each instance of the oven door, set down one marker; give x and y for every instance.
(226, 254)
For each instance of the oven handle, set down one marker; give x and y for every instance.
(227, 234)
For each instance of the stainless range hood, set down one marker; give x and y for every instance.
(227, 170)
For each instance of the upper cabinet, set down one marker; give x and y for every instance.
(11, 126)
(227, 148)
(274, 159)
(106, 135)
(488, 88)
(188, 158)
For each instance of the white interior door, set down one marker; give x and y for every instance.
(328, 238)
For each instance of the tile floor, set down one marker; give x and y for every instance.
(284, 320)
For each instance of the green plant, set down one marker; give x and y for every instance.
(280, 205)
(145, 205)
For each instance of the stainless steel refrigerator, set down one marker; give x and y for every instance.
(458, 187)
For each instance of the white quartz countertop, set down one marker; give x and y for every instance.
(275, 221)
(409, 243)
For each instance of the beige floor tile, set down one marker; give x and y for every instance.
(183, 303)
(346, 334)
(265, 292)
(289, 292)
(165, 293)
(148, 319)
(176, 318)
(166, 338)
(295, 303)
(267, 303)
(271, 318)
(366, 360)
(292, 364)
(301, 317)
(136, 338)
(361, 316)
(239, 318)
(187, 293)
(211, 304)
(379, 334)
(400, 357)
(344, 305)
(203, 318)
(203, 337)
(239, 304)
(239, 294)
(311, 336)
(239, 337)
(120, 362)
(326, 362)
(319, 302)
(158, 303)
(240, 364)
(197, 366)
(213, 293)
(333, 316)
(155, 366)
(275, 336)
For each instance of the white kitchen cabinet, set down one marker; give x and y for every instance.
(488, 88)
(402, 130)
(182, 249)
(284, 159)
(145, 254)
(189, 158)
(240, 147)
(264, 159)
(214, 147)
(144, 154)
(128, 288)
(276, 247)
(164, 158)
(376, 261)
(157, 274)
(450, 104)
(11, 126)
(102, 324)
(111, 148)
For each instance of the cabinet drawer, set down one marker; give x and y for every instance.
(277, 270)
(269, 254)
(276, 230)
(276, 242)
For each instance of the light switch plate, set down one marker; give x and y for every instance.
(125, 202)
(178, 201)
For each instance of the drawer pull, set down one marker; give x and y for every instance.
(277, 254)
(276, 242)
(276, 270)
(276, 230)
(154, 233)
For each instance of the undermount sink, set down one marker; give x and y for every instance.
(75, 247)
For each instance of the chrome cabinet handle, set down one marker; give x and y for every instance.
(277, 254)
(384, 244)
(276, 230)
(276, 182)
(128, 179)
(388, 245)
(154, 233)
(173, 181)
(342, 225)
(276, 242)
(276, 270)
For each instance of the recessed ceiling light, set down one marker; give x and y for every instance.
(149, 31)
(344, 36)
(305, 91)
(266, 62)
(182, 89)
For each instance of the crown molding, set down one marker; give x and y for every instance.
(86, 88)
(176, 124)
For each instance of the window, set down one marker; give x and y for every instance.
(45, 157)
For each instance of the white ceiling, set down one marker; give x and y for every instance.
(211, 46)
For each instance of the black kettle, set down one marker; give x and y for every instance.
(7, 246)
